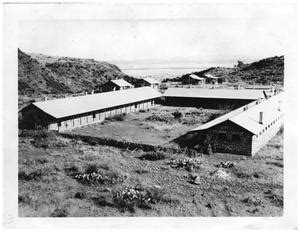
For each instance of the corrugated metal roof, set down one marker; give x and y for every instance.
(151, 80)
(196, 77)
(214, 93)
(121, 82)
(64, 107)
(249, 119)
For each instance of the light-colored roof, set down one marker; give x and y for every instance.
(249, 118)
(214, 93)
(121, 82)
(151, 80)
(64, 107)
(196, 77)
(211, 76)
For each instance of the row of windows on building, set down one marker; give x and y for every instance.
(269, 125)
(105, 113)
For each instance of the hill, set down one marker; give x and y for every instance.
(265, 71)
(41, 74)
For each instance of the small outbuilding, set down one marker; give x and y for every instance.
(211, 79)
(114, 85)
(149, 81)
(193, 79)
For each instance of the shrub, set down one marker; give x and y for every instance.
(79, 195)
(117, 117)
(36, 175)
(177, 114)
(91, 168)
(132, 197)
(187, 164)
(59, 212)
(95, 175)
(153, 156)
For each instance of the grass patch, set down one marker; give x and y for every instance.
(186, 164)
(130, 198)
(35, 175)
(97, 174)
(153, 156)
(117, 117)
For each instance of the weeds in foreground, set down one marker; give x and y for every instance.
(95, 174)
(186, 164)
(131, 198)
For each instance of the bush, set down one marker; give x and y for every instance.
(79, 195)
(94, 174)
(153, 156)
(187, 164)
(117, 117)
(36, 175)
(177, 114)
(131, 198)
(58, 212)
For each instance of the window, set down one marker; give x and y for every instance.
(94, 115)
(222, 136)
(236, 137)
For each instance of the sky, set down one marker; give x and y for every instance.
(217, 38)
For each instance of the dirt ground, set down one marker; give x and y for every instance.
(158, 126)
(253, 186)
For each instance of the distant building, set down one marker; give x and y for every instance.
(242, 131)
(211, 79)
(67, 113)
(113, 85)
(210, 98)
(150, 82)
(193, 79)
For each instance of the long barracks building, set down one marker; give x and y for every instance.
(67, 113)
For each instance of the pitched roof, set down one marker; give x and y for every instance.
(151, 80)
(121, 82)
(211, 76)
(248, 117)
(214, 93)
(65, 107)
(196, 77)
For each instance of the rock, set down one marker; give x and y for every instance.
(194, 179)
(221, 174)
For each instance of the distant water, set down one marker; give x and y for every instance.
(166, 70)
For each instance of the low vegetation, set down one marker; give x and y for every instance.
(87, 179)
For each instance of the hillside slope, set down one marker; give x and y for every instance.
(265, 71)
(39, 73)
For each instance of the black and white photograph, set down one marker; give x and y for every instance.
(136, 110)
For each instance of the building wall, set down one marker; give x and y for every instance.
(226, 143)
(98, 116)
(210, 103)
(228, 137)
(33, 118)
(264, 136)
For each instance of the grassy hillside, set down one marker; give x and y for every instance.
(54, 75)
(266, 71)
